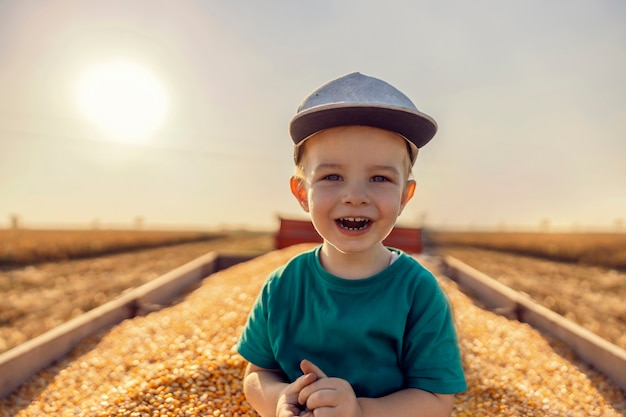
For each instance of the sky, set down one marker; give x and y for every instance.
(176, 113)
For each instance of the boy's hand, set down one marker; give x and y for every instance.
(327, 397)
(288, 405)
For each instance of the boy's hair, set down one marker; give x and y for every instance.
(357, 99)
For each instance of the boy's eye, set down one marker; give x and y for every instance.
(332, 177)
(380, 178)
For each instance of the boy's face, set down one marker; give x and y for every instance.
(354, 184)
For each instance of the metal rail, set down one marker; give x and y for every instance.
(596, 351)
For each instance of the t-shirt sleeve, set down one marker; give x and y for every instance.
(254, 343)
(431, 354)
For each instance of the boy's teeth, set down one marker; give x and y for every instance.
(353, 223)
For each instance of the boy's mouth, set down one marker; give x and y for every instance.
(353, 223)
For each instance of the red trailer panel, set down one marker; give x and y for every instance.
(292, 232)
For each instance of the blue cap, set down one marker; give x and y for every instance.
(357, 99)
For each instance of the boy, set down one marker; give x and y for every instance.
(353, 328)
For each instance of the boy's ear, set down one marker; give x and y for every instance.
(409, 190)
(299, 192)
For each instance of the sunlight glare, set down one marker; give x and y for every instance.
(124, 99)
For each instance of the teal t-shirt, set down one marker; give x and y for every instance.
(384, 333)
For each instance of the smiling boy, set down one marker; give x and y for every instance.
(353, 180)
(353, 328)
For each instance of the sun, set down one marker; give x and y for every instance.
(127, 101)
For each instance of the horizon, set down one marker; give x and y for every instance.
(617, 227)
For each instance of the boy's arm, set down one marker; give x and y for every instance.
(269, 393)
(262, 388)
(409, 402)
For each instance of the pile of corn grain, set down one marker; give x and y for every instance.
(180, 362)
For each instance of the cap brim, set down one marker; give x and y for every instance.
(416, 127)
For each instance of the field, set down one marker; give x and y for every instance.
(27, 246)
(598, 249)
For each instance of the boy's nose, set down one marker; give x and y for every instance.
(355, 194)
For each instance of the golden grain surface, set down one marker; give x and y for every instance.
(180, 362)
(513, 370)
